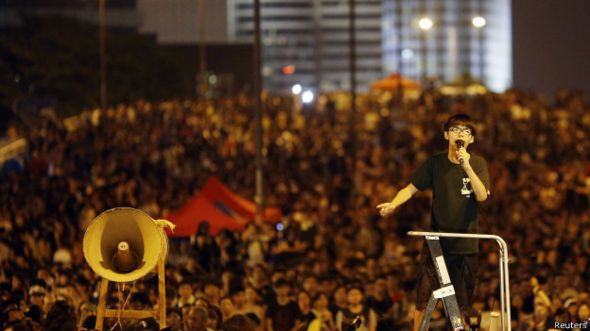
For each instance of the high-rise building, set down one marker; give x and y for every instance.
(454, 39)
(307, 41)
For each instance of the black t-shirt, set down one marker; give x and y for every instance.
(283, 317)
(334, 308)
(454, 207)
(380, 307)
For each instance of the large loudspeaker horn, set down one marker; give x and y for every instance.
(124, 244)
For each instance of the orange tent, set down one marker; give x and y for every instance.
(393, 82)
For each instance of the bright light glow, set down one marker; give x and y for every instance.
(307, 97)
(407, 53)
(296, 89)
(425, 23)
(478, 22)
(267, 71)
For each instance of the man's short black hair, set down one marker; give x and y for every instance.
(282, 283)
(460, 119)
(211, 281)
(89, 322)
(236, 289)
(253, 318)
(61, 316)
(238, 323)
(355, 286)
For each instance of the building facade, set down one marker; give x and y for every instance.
(307, 41)
(453, 46)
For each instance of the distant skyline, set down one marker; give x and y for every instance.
(311, 37)
(550, 38)
(550, 45)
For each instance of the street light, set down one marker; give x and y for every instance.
(425, 24)
(479, 22)
(407, 54)
(296, 89)
(307, 96)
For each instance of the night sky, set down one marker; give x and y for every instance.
(551, 45)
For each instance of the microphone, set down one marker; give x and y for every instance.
(460, 144)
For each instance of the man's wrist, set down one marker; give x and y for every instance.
(467, 166)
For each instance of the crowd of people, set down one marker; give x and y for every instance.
(332, 260)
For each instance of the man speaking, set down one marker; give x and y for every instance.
(458, 181)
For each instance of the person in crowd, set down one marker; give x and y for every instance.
(196, 320)
(382, 303)
(227, 307)
(308, 317)
(324, 315)
(238, 322)
(339, 300)
(212, 292)
(283, 313)
(61, 317)
(185, 294)
(357, 315)
(215, 317)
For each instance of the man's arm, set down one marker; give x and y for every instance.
(400, 198)
(481, 193)
(372, 320)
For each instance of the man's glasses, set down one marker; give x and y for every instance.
(456, 129)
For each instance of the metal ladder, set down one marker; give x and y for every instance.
(447, 292)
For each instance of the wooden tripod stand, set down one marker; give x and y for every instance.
(102, 312)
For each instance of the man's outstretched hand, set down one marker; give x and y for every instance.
(386, 208)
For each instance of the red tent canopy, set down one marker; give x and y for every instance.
(219, 206)
(215, 191)
(197, 210)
